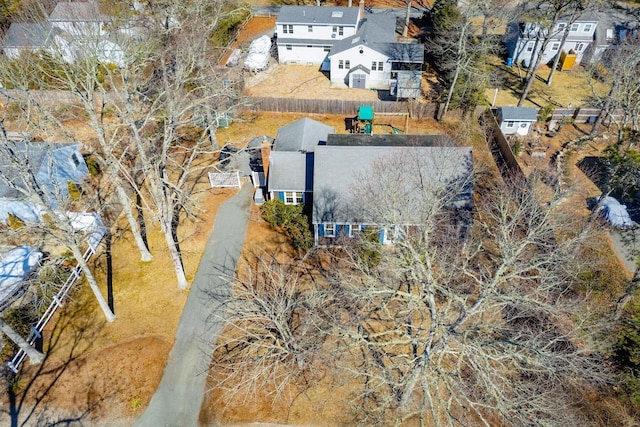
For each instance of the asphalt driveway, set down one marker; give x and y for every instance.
(180, 394)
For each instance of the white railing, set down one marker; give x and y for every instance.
(36, 331)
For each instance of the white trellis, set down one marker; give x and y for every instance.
(224, 179)
(81, 221)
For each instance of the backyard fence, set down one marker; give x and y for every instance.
(582, 114)
(498, 142)
(36, 331)
(339, 106)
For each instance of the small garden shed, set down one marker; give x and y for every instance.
(516, 120)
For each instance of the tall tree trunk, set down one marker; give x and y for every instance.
(407, 20)
(108, 314)
(557, 58)
(145, 255)
(451, 89)
(35, 357)
(174, 252)
(531, 79)
(604, 109)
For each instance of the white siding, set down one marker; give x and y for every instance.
(375, 79)
(579, 39)
(320, 32)
(301, 54)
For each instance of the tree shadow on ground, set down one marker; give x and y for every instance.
(32, 391)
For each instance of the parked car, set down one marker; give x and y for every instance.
(614, 213)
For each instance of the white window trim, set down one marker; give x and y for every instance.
(333, 230)
(586, 28)
(293, 197)
(575, 27)
(511, 123)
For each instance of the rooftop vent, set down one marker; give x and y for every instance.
(336, 14)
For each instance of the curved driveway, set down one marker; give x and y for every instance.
(180, 394)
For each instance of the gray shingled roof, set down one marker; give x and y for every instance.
(519, 113)
(27, 35)
(374, 29)
(50, 162)
(330, 15)
(302, 135)
(288, 171)
(339, 171)
(77, 11)
(377, 31)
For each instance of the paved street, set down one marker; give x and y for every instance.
(180, 394)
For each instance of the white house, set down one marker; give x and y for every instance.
(73, 29)
(79, 19)
(516, 120)
(372, 59)
(306, 34)
(360, 50)
(30, 37)
(524, 40)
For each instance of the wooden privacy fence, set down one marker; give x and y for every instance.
(339, 106)
(498, 142)
(582, 114)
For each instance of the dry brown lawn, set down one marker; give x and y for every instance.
(568, 87)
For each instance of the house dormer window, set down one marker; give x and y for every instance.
(340, 31)
(75, 160)
(310, 28)
(561, 26)
(586, 28)
(574, 27)
(287, 29)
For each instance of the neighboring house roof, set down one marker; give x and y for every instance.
(31, 36)
(377, 32)
(340, 171)
(302, 135)
(522, 114)
(402, 52)
(77, 11)
(53, 165)
(331, 15)
(290, 171)
(389, 140)
(613, 25)
(374, 29)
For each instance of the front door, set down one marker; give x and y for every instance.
(359, 81)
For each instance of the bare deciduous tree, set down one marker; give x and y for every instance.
(273, 328)
(475, 331)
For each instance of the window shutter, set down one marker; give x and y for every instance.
(320, 230)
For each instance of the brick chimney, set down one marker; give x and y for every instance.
(361, 7)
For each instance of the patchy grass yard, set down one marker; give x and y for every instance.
(569, 87)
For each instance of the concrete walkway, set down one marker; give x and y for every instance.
(180, 394)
